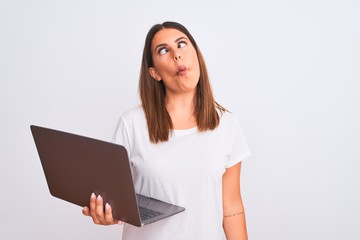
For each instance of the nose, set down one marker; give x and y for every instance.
(177, 57)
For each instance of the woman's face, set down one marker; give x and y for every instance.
(175, 61)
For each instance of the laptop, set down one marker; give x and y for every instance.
(76, 166)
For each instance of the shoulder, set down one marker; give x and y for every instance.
(228, 118)
(229, 123)
(130, 124)
(132, 119)
(133, 115)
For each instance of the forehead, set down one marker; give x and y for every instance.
(166, 36)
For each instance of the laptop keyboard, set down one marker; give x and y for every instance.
(146, 213)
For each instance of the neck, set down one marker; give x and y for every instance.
(181, 110)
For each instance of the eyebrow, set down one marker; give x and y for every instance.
(164, 44)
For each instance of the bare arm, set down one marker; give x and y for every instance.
(234, 217)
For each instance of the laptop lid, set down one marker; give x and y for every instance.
(76, 166)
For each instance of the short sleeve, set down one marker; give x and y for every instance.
(238, 147)
(121, 135)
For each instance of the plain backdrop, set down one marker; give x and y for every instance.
(288, 69)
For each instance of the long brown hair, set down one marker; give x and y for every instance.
(152, 92)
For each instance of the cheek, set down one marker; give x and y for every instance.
(196, 65)
(195, 60)
(162, 65)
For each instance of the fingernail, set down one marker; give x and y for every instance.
(107, 206)
(99, 197)
(84, 211)
(92, 195)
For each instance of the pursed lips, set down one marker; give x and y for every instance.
(181, 70)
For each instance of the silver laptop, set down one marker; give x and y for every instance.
(76, 166)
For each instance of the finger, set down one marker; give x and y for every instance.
(99, 209)
(109, 219)
(93, 208)
(86, 211)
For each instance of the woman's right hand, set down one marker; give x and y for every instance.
(97, 212)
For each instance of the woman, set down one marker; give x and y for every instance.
(184, 147)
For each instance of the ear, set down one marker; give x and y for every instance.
(154, 74)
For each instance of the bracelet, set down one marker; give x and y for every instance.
(235, 214)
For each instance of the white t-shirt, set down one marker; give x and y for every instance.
(186, 170)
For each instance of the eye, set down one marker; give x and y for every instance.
(182, 44)
(163, 51)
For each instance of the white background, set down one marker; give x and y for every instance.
(288, 69)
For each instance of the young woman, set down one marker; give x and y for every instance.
(184, 147)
